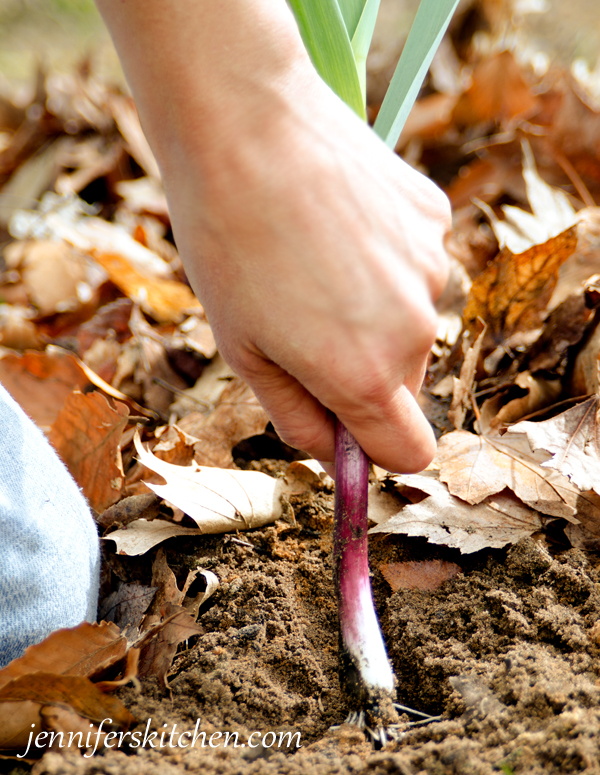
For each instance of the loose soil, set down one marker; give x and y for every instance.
(507, 652)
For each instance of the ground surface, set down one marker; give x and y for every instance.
(508, 653)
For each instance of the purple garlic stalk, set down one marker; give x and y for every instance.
(366, 671)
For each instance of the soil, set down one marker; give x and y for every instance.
(507, 652)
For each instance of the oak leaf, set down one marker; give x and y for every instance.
(573, 439)
(476, 467)
(444, 519)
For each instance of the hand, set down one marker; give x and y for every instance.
(316, 253)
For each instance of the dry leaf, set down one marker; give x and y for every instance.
(42, 382)
(22, 699)
(168, 301)
(217, 499)
(512, 294)
(428, 574)
(159, 645)
(87, 434)
(573, 439)
(127, 605)
(476, 467)
(463, 386)
(444, 519)
(237, 415)
(129, 509)
(497, 93)
(83, 650)
(140, 536)
(55, 276)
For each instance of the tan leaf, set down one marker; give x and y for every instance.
(461, 394)
(140, 536)
(573, 439)
(87, 434)
(428, 574)
(538, 393)
(476, 467)
(237, 415)
(512, 293)
(52, 273)
(217, 499)
(444, 519)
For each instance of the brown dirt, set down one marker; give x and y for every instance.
(508, 652)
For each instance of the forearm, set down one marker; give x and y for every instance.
(200, 70)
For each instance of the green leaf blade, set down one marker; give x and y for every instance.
(361, 41)
(326, 39)
(427, 31)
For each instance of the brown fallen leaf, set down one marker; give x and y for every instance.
(428, 575)
(573, 439)
(22, 698)
(85, 650)
(53, 273)
(41, 382)
(461, 394)
(159, 645)
(444, 519)
(537, 394)
(127, 605)
(476, 467)
(237, 415)
(129, 509)
(497, 93)
(86, 434)
(512, 293)
(167, 301)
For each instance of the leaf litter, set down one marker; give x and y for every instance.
(219, 596)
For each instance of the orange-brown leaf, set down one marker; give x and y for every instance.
(428, 575)
(511, 295)
(86, 434)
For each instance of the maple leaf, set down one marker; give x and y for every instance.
(573, 439)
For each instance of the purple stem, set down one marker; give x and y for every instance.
(366, 669)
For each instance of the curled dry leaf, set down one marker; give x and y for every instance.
(428, 575)
(218, 500)
(159, 644)
(461, 394)
(511, 295)
(444, 519)
(573, 439)
(87, 434)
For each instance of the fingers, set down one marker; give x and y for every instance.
(397, 437)
(393, 432)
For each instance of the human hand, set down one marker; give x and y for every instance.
(316, 253)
